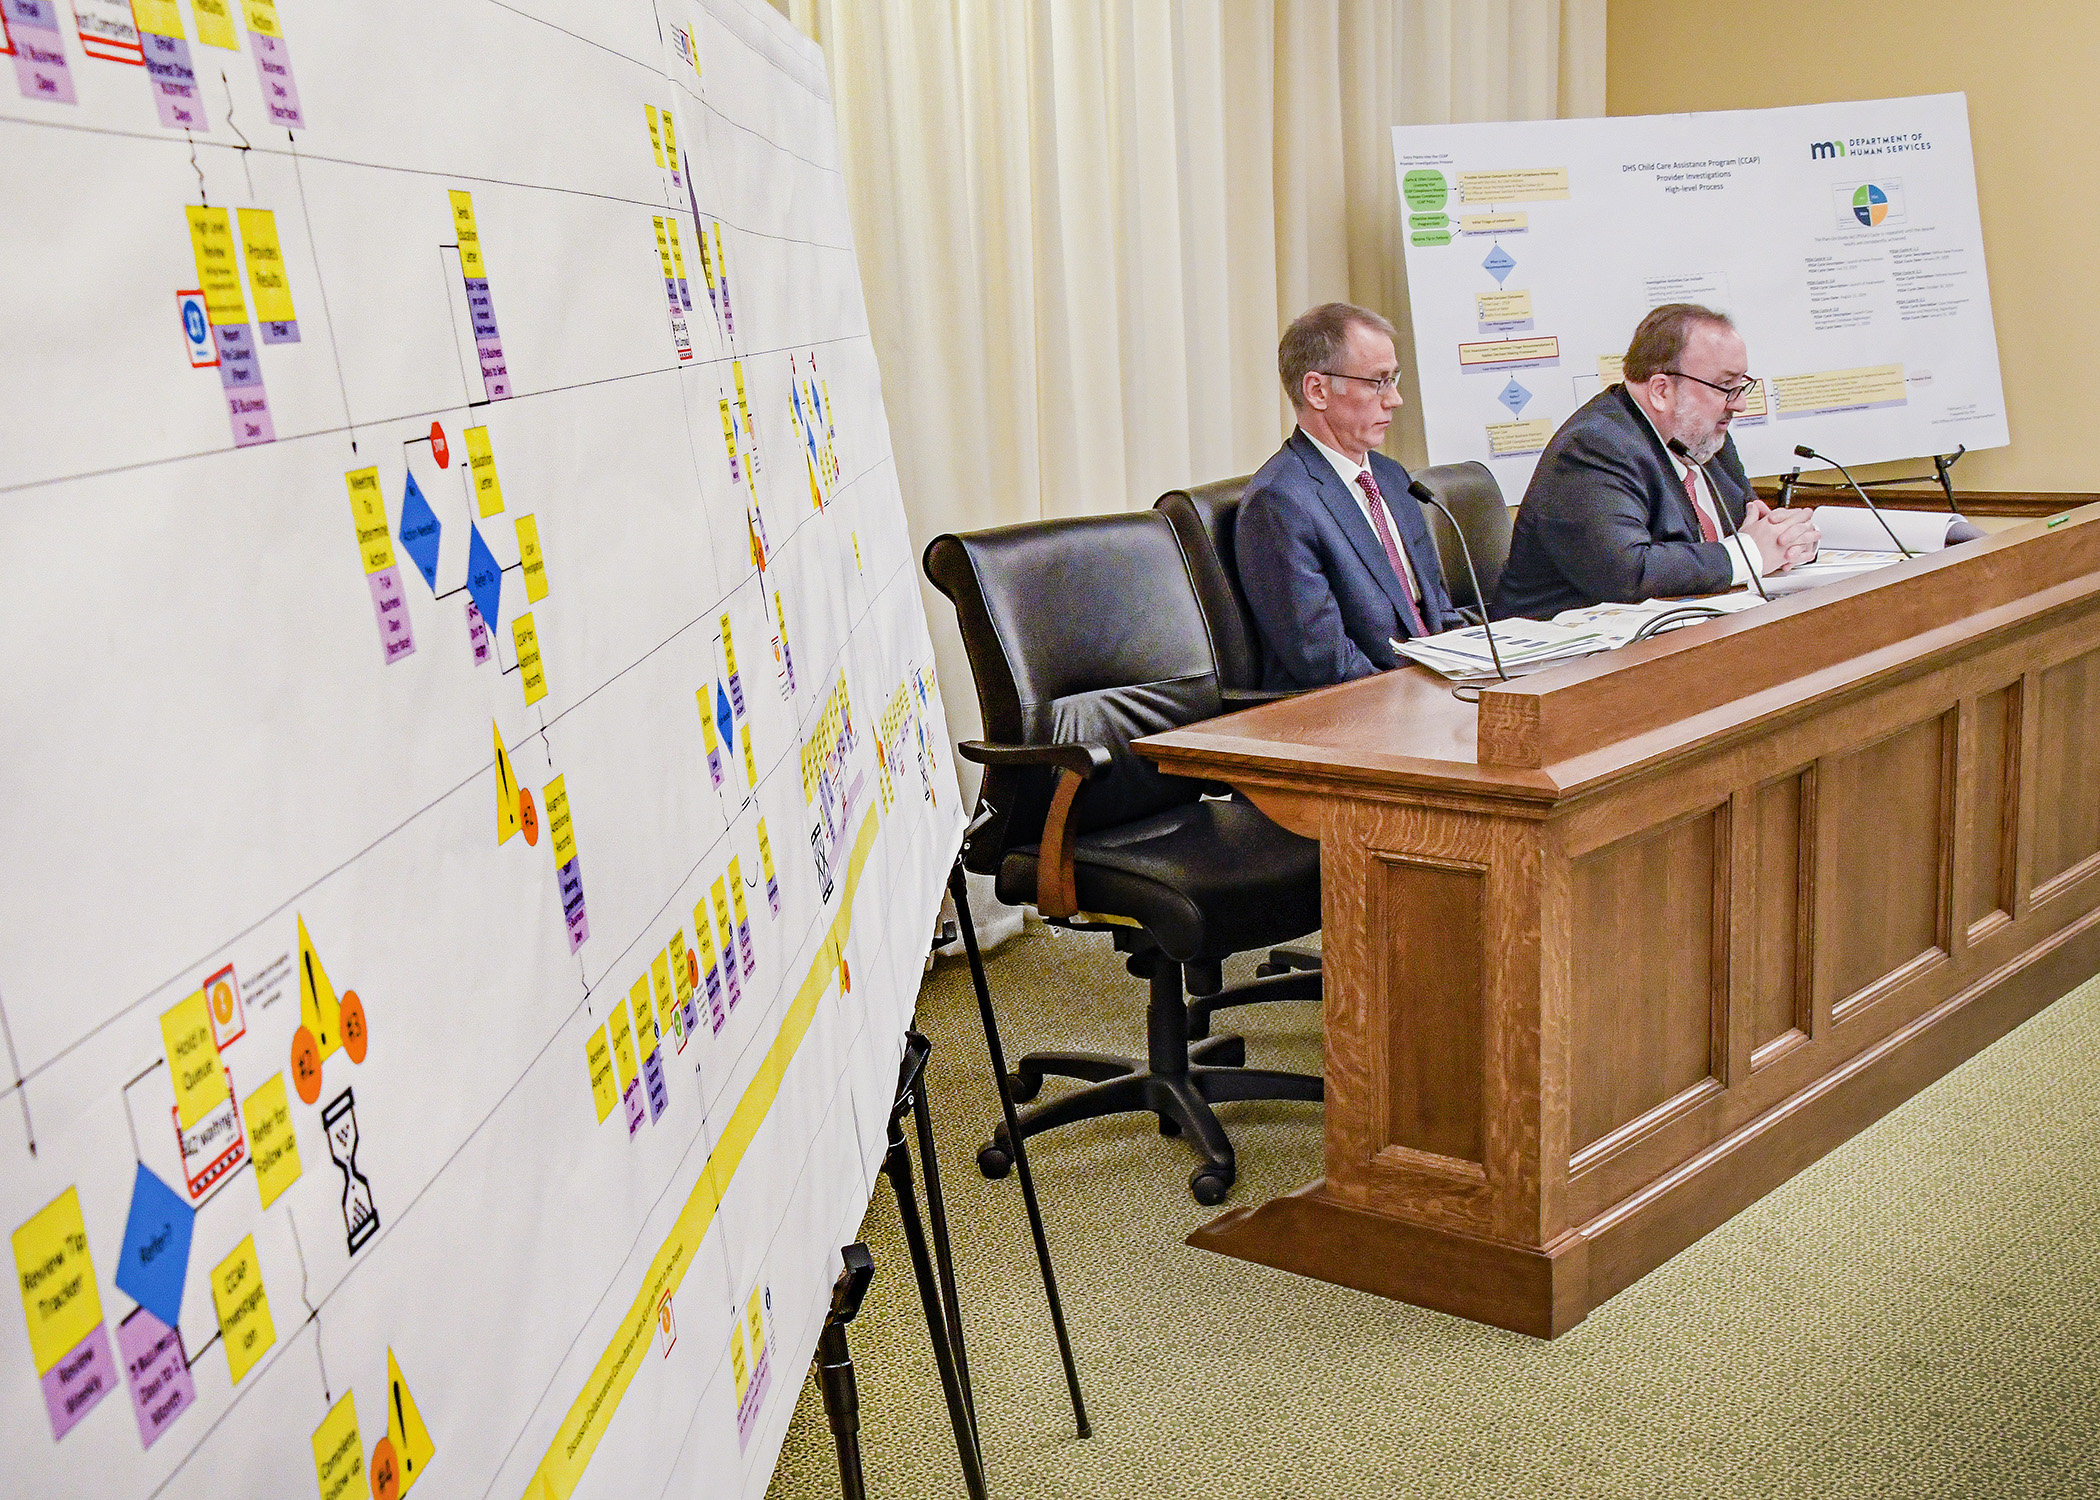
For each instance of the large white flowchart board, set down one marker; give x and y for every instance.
(1843, 239)
(472, 773)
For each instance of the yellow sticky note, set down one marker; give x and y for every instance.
(265, 257)
(244, 1311)
(660, 988)
(681, 969)
(656, 140)
(644, 1018)
(597, 1056)
(57, 1280)
(262, 17)
(463, 229)
(663, 244)
(530, 671)
(700, 932)
(728, 431)
(161, 17)
(507, 819)
(737, 1364)
(765, 850)
(529, 555)
(750, 760)
(211, 244)
(721, 260)
(736, 893)
(273, 1145)
(319, 1010)
(728, 646)
(670, 141)
(368, 514)
(215, 24)
(488, 490)
(707, 720)
(623, 1047)
(706, 266)
(677, 250)
(722, 927)
(857, 564)
(413, 1449)
(736, 368)
(757, 1323)
(556, 796)
(193, 1060)
(339, 1455)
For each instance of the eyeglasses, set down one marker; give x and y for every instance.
(1383, 384)
(1740, 391)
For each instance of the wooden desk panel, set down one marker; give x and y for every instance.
(1618, 952)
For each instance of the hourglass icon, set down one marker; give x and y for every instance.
(360, 1215)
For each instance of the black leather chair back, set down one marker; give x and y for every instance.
(1085, 629)
(1476, 500)
(1205, 516)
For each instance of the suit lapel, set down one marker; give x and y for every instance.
(1673, 482)
(1350, 517)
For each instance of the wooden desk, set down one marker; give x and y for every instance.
(1626, 947)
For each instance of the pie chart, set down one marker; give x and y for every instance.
(1870, 205)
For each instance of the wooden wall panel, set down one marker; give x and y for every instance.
(1641, 1022)
(1776, 973)
(2067, 792)
(1882, 812)
(1436, 1004)
(1991, 782)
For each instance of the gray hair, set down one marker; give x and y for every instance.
(1315, 339)
(1658, 344)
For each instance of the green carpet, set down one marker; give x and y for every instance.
(1917, 1314)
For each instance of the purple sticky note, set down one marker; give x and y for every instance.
(569, 878)
(162, 1387)
(273, 68)
(76, 1385)
(174, 81)
(477, 633)
(397, 636)
(286, 332)
(238, 367)
(632, 1094)
(40, 56)
(754, 1398)
(249, 411)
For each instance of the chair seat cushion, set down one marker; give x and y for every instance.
(1206, 879)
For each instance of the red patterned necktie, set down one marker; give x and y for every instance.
(1392, 548)
(1691, 495)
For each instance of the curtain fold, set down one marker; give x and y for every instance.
(1083, 224)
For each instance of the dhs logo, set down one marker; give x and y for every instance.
(1826, 150)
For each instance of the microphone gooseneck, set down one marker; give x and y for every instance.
(1734, 532)
(1421, 492)
(1802, 450)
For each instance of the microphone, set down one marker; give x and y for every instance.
(1734, 535)
(1802, 450)
(1421, 492)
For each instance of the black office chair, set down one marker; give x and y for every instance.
(1476, 500)
(1084, 635)
(1205, 518)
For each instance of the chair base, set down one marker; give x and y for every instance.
(1178, 1083)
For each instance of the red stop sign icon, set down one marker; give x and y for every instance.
(438, 448)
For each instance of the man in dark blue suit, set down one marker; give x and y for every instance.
(1334, 555)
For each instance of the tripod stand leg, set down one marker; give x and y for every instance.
(835, 1370)
(958, 887)
(943, 1252)
(897, 1165)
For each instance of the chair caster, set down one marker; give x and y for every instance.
(1268, 970)
(1168, 1125)
(1210, 1184)
(1022, 1086)
(994, 1160)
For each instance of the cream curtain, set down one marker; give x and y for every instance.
(1083, 224)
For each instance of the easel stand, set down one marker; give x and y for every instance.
(1793, 484)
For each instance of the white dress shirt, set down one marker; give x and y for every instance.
(1747, 559)
(1348, 469)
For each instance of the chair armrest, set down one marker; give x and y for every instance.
(1082, 760)
(1056, 882)
(1236, 698)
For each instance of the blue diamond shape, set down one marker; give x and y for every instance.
(156, 1254)
(1514, 397)
(420, 531)
(484, 575)
(1498, 264)
(724, 722)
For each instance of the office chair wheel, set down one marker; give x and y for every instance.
(1022, 1086)
(994, 1160)
(1210, 1184)
(1266, 970)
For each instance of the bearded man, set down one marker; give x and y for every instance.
(1641, 495)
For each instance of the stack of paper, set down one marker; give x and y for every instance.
(1618, 624)
(1465, 653)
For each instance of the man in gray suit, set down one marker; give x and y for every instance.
(1334, 556)
(1638, 493)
